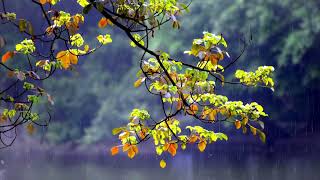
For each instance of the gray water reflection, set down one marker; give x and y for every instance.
(185, 166)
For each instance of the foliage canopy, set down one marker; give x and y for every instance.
(184, 89)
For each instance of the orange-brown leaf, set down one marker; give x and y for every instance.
(73, 58)
(103, 22)
(202, 146)
(7, 56)
(67, 59)
(126, 147)
(253, 130)
(43, 2)
(114, 150)
(193, 139)
(193, 109)
(172, 149)
(237, 123)
(133, 150)
(3, 118)
(30, 128)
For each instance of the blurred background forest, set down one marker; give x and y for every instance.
(99, 94)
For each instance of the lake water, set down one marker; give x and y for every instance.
(210, 165)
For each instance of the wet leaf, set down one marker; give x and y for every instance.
(22, 25)
(116, 131)
(163, 164)
(237, 124)
(138, 82)
(7, 56)
(30, 128)
(133, 150)
(67, 59)
(253, 130)
(202, 146)
(114, 150)
(172, 149)
(103, 22)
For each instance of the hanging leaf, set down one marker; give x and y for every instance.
(7, 56)
(133, 150)
(193, 109)
(67, 59)
(117, 130)
(22, 25)
(202, 145)
(193, 139)
(245, 120)
(262, 136)
(237, 124)
(172, 149)
(163, 164)
(103, 22)
(253, 130)
(139, 82)
(43, 2)
(30, 128)
(212, 115)
(114, 150)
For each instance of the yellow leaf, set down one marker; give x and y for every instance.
(86, 48)
(137, 83)
(237, 123)
(67, 59)
(7, 56)
(245, 120)
(163, 164)
(202, 146)
(103, 22)
(114, 150)
(212, 115)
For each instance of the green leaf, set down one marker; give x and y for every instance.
(22, 25)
